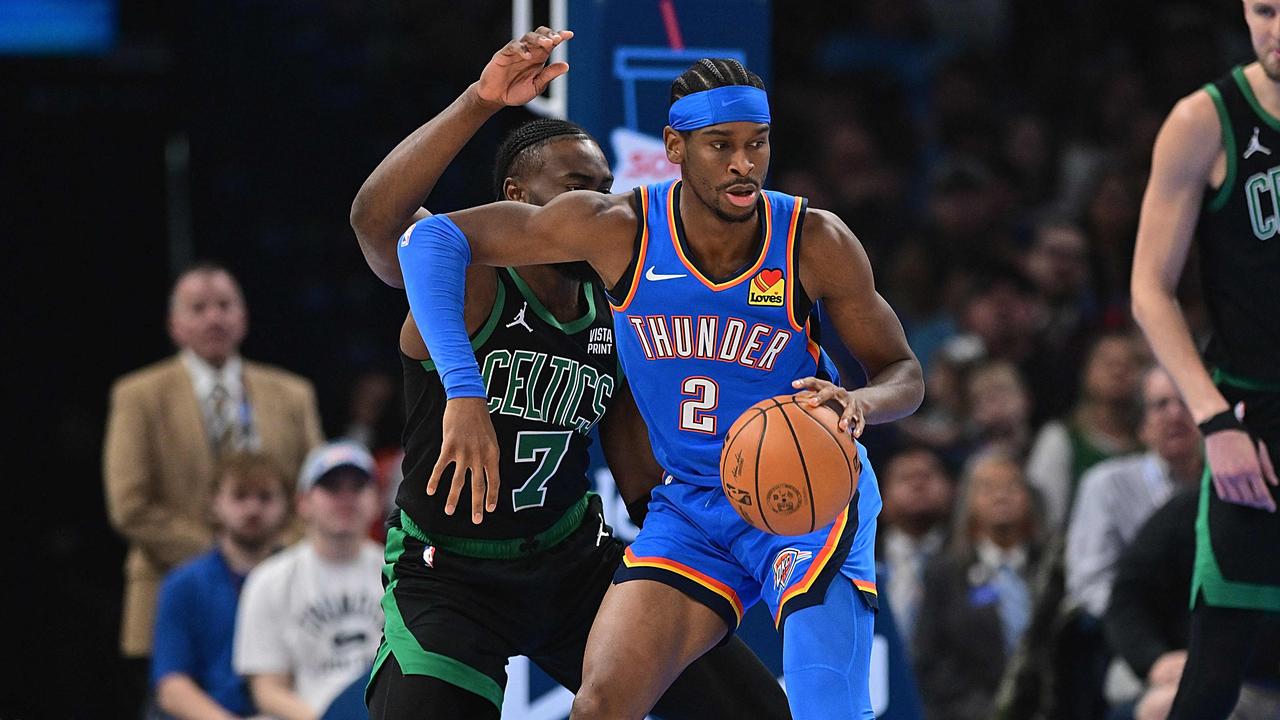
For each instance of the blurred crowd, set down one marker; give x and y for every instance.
(1037, 532)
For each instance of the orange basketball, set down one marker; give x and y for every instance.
(787, 468)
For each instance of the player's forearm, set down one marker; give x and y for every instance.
(1159, 315)
(435, 256)
(895, 392)
(179, 696)
(390, 197)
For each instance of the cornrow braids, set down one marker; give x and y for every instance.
(709, 73)
(523, 143)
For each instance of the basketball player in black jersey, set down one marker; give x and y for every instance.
(1214, 176)
(465, 591)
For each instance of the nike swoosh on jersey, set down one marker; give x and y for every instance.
(652, 276)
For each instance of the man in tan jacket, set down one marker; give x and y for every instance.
(170, 421)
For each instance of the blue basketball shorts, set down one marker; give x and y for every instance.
(694, 541)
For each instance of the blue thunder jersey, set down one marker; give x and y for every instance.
(699, 351)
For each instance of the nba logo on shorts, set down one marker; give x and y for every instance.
(429, 556)
(785, 564)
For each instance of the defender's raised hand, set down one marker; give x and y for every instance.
(518, 72)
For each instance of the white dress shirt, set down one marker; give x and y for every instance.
(906, 557)
(236, 412)
(1116, 497)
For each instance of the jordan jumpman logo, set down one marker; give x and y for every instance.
(520, 318)
(1255, 146)
(604, 532)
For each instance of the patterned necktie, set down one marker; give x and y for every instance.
(220, 428)
(1015, 605)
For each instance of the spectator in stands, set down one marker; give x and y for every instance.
(310, 618)
(1112, 222)
(977, 601)
(1148, 622)
(375, 418)
(999, 409)
(1057, 262)
(1102, 425)
(195, 618)
(918, 496)
(940, 422)
(169, 422)
(1002, 310)
(1117, 496)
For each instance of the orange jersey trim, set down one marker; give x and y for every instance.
(814, 348)
(675, 240)
(815, 569)
(866, 587)
(631, 560)
(644, 248)
(791, 264)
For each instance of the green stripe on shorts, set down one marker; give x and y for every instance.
(409, 653)
(1207, 578)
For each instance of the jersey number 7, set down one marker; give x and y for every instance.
(547, 448)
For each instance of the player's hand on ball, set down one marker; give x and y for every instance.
(517, 73)
(470, 445)
(815, 392)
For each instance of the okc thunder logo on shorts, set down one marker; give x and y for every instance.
(784, 565)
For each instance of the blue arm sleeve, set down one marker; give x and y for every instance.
(434, 255)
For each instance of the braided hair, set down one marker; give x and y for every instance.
(710, 73)
(522, 148)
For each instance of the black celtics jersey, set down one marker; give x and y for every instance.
(1237, 233)
(548, 384)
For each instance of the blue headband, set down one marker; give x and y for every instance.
(733, 103)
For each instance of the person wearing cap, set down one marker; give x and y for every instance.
(310, 617)
(713, 281)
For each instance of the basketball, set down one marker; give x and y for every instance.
(787, 468)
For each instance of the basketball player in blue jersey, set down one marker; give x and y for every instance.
(712, 280)
(466, 590)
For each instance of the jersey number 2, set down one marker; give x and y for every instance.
(694, 411)
(548, 450)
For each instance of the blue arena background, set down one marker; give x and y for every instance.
(57, 27)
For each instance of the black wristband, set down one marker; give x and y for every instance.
(1225, 420)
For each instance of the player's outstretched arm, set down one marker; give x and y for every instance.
(834, 269)
(389, 200)
(1182, 163)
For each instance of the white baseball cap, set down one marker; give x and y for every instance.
(331, 456)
